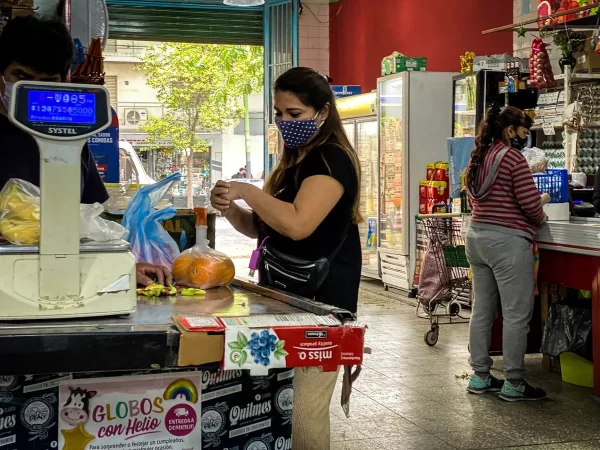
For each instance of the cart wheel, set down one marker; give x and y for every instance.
(431, 337)
(454, 309)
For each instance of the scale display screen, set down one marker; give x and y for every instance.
(61, 107)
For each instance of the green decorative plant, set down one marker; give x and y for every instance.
(570, 41)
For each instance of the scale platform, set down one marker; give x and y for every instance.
(62, 278)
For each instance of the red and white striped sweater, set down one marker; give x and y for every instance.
(506, 197)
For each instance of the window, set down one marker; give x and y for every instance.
(111, 84)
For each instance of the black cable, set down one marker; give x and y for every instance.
(303, 5)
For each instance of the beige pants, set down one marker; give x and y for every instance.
(313, 390)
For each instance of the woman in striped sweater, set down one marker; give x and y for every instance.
(506, 211)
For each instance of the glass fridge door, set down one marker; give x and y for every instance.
(350, 128)
(465, 106)
(391, 159)
(367, 147)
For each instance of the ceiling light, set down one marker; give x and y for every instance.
(244, 2)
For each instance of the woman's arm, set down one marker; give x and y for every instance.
(527, 194)
(242, 220)
(317, 196)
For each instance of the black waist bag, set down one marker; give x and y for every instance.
(295, 275)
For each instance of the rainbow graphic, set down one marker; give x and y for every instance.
(181, 388)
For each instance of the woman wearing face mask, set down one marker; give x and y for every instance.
(521, 139)
(506, 210)
(308, 211)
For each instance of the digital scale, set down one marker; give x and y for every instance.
(63, 278)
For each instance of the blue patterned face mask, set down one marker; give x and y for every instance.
(296, 133)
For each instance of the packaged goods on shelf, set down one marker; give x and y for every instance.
(397, 62)
(499, 62)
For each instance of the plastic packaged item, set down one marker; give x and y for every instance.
(442, 172)
(537, 160)
(95, 228)
(150, 242)
(200, 266)
(567, 329)
(20, 216)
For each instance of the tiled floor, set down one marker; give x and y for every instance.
(411, 396)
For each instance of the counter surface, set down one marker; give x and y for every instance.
(144, 340)
(579, 235)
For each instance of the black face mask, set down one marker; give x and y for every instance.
(518, 142)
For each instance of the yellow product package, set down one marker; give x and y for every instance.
(20, 212)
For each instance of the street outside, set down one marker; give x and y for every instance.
(235, 245)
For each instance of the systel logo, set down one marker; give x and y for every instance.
(62, 131)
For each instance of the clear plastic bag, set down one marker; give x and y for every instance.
(201, 266)
(150, 242)
(95, 228)
(567, 329)
(20, 216)
(537, 160)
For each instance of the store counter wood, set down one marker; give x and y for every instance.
(147, 339)
(570, 257)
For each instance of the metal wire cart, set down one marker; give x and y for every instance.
(445, 271)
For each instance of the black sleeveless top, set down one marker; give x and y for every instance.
(340, 289)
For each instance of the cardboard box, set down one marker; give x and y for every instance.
(240, 411)
(397, 63)
(201, 344)
(498, 62)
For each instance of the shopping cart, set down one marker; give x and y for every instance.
(446, 250)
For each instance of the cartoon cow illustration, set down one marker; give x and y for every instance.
(76, 409)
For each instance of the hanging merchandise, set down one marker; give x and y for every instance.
(539, 66)
(466, 62)
(91, 70)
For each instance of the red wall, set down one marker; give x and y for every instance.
(365, 31)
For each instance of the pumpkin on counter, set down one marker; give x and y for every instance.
(203, 270)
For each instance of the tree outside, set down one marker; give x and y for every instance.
(203, 87)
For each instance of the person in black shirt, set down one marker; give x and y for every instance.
(36, 49)
(309, 206)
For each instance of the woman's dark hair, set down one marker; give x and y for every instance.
(313, 90)
(491, 130)
(43, 45)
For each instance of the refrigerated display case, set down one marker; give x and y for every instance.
(360, 122)
(474, 93)
(413, 127)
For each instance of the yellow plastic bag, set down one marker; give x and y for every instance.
(20, 212)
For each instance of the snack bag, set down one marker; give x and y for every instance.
(20, 216)
(423, 195)
(442, 171)
(20, 212)
(430, 172)
(202, 267)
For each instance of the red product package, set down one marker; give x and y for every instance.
(423, 195)
(260, 343)
(442, 170)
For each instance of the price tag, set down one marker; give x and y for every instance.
(561, 96)
(548, 129)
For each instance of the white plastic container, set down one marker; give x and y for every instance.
(558, 211)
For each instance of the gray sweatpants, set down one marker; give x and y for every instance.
(502, 266)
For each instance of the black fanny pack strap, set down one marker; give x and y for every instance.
(336, 250)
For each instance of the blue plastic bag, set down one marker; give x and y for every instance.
(459, 154)
(150, 242)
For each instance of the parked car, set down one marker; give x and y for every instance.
(258, 183)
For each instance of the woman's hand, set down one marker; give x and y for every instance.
(146, 274)
(217, 197)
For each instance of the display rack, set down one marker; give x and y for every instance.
(576, 149)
